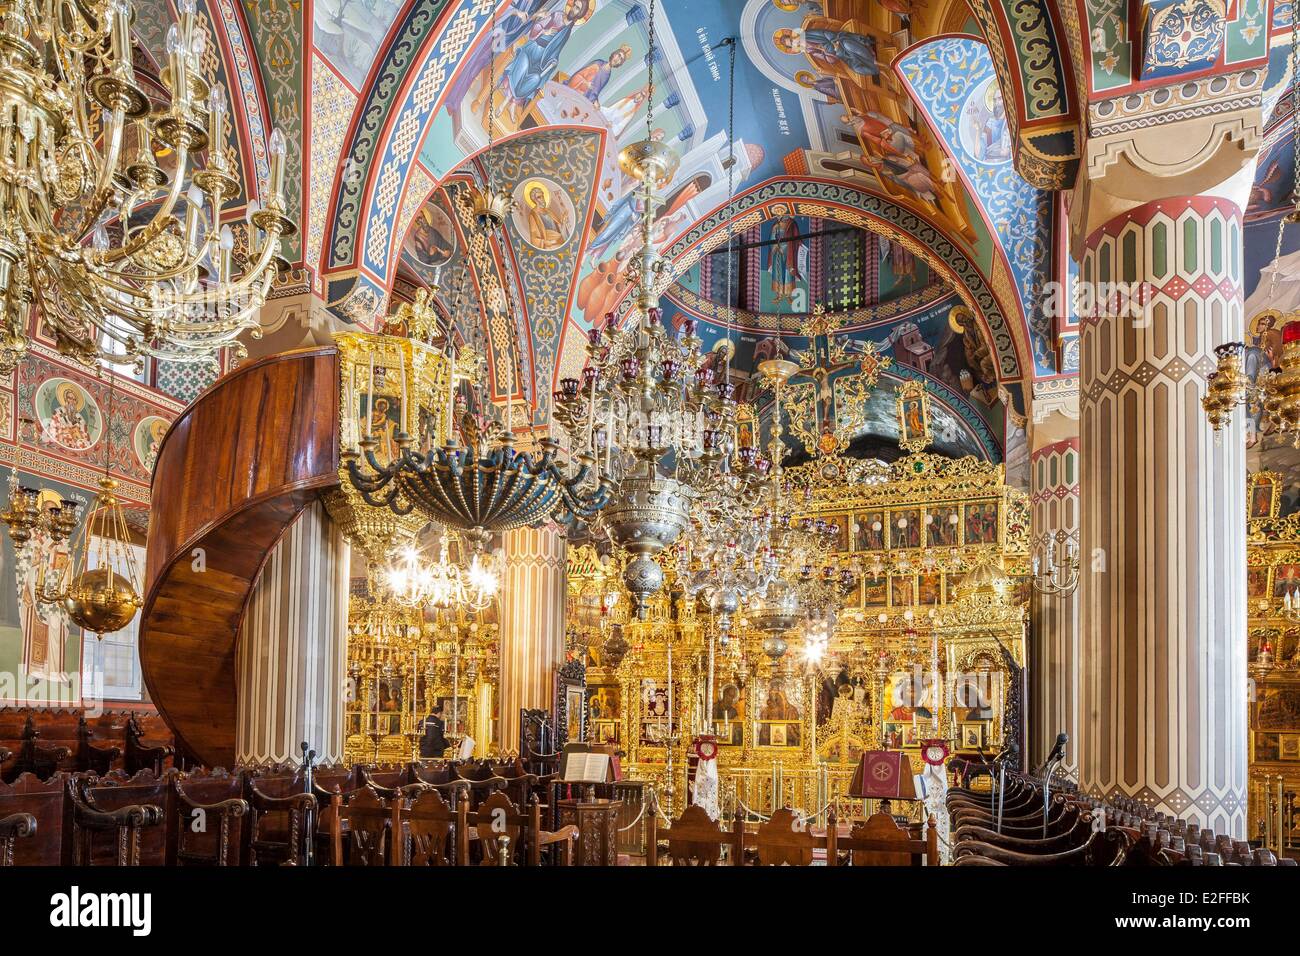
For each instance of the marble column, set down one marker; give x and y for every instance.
(532, 626)
(1054, 618)
(1163, 514)
(292, 655)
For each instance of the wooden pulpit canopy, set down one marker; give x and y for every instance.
(233, 472)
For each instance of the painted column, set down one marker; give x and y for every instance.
(1163, 515)
(532, 625)
(1054, 628)
(292, 656)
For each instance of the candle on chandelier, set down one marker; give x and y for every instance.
(278, 148)
(370, 395)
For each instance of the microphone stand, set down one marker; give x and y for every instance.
(308, 779)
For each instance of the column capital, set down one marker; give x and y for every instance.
(1056, 396)
(1187, 139)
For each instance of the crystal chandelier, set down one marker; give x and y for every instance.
(662, 420)
(415, 582)
(121, 259)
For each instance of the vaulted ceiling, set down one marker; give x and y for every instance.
(939, 127)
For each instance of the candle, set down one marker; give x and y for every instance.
(370, 394)
(451, 395)
(402, 375)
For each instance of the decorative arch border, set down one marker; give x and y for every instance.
(918, 234)
(1029, 44)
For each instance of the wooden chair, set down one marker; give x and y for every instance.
(696, 840)
(214, 798)
(45, 801)
(280, 821)
(879, 841)
(12, 828)
(433, 833)
(784, 840)
(497, 817)
(34, 757)
(361, 828)
(92, 757)
(121, 827)
(141, 755)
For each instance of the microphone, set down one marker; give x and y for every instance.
(1058, 750)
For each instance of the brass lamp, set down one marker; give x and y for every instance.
(104, 597)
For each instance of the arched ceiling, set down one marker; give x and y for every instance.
(907, 118)
(821, 93)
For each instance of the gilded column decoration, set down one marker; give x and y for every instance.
(1163, 513)
(1054, 615)
(290, 663)
(532, 625)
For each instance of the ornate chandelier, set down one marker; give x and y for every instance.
(662, 419)
(484, 485)
(1276, 395)
(415, 582)
(120, 258)
(1055, 573)
(1273, 392)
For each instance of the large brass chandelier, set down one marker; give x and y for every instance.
(480, 484)
(121, 258)
(662, 419)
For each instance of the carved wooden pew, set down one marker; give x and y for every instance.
(46, 802)
(362, 828)
(879, 841)
(14, 827)
(34, 756)
(281, 820)
(497, 817)
(785, 840)
(694, 839)
(91, 757)
(433, 833)
(141, 755)
(118, 821)
(205, 818)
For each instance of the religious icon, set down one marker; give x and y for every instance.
(982, 523)
(783, 259)
(875, 591)
(1257, 582)
(972, 736)
(1286, 580)
(929, 589)
(905, 528)
(729, 715)
(841, 525)
(953, 585)
(1289, 746)
(915, 432)
(871, 531)
(432, 240)
(591, 79)
(778, 718)
(543, 213)
(941, 526)
(147, 439)
(901, 591)
(67, 414)
(1262, 490)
